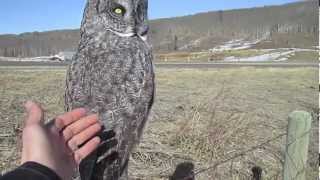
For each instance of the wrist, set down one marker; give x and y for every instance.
(41, 170)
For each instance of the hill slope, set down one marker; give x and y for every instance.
(290, 25)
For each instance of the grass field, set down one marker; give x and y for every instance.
(199, 116)
(305, 56)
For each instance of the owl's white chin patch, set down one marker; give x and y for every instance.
(131, 34)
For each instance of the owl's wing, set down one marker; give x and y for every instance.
(67, 95)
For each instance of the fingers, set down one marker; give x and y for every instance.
(77, 129)
(83, 136)
(34, 113)
(85, 150)
(68, 118)
(79, 126)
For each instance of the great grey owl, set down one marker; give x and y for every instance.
(112, 74)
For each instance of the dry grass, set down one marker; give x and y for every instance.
(305, 56)
(200, 116)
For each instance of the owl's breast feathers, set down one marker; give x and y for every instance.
(116, 81)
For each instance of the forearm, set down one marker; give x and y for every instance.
(31, 171)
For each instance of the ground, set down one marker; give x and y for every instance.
(286, 55)
(200, 116)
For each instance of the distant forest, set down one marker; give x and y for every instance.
(290, 25)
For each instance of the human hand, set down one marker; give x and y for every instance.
(56, 145)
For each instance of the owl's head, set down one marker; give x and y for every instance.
(125, 18)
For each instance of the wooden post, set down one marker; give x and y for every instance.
(297, 146)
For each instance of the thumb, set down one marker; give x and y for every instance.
(34, 113)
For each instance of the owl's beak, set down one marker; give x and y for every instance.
(142, 32)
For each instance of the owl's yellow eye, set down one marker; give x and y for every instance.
(118, 11)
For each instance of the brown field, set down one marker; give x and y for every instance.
(200, 116)
(305, 56)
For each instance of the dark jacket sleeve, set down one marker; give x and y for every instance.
(31, 171)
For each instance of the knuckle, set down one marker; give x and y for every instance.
(73, 144)
(59, 121)
(69, 132)
(93, 117)
(60, 118)
(72, 117)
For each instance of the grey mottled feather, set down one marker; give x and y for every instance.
(112, 75)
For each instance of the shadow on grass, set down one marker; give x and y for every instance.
(184, 171)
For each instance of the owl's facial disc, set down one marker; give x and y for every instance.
(125, 18)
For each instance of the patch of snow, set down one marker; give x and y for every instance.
(62, 56)
(31, 59)
(276, 56)
(194, 43)
(281, 54)
(295, 49)
(236, 44)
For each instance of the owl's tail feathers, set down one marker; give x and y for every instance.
(113, 171)
(104, 170)
(92, 167)
(108, 142)
(87, 165)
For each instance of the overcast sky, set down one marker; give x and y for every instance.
(17, 16)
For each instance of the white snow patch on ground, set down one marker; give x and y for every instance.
(194, 43)
(31, 59)
(294, 49)
(237, 44)
(60, 57)
(281, 55)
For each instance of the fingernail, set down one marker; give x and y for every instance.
(97, 140)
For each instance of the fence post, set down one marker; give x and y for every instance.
(297, 145)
